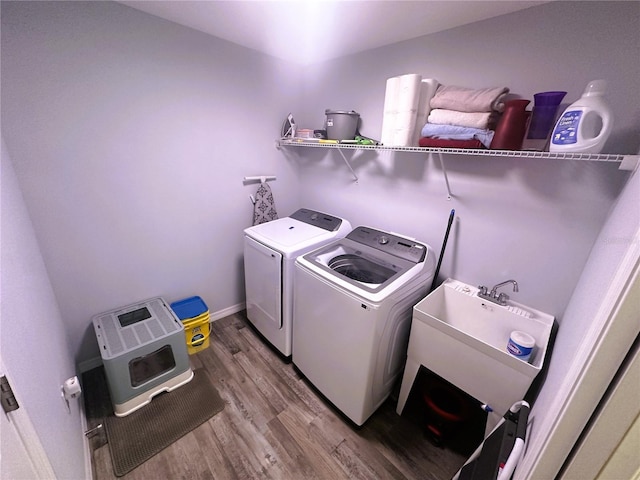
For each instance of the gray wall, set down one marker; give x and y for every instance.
(556, 46)
(614, 251)
(532, 220)
(34, 344)
(131, 137)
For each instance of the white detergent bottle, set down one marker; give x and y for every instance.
(585, 125)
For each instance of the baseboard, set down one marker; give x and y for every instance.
(89, 364)
(86, 447)
(225, 312)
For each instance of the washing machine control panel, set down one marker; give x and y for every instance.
(387, 242)
(317, 219)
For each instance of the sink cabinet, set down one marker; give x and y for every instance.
(463, 338)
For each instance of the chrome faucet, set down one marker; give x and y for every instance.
(493, 296)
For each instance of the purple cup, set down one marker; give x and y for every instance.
(548, 98)
(544, 113)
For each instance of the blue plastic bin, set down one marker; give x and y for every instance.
(189, 307)
(194, 315)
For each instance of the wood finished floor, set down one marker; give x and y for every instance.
(274, 426)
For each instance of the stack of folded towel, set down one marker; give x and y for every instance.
(463, 117)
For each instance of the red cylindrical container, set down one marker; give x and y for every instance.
(512, 126)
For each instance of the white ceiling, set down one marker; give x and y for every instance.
(309, 31)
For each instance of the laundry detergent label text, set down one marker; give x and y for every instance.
(566, 131)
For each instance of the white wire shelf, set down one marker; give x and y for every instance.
(628, 161)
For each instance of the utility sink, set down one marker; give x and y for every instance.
(463, 339)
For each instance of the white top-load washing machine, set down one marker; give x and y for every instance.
(353, 303)
(270, 250)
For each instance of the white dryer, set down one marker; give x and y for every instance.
(353, 302)
(270, 250)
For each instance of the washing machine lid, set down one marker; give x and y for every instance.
(303, 230)
(368, 259)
